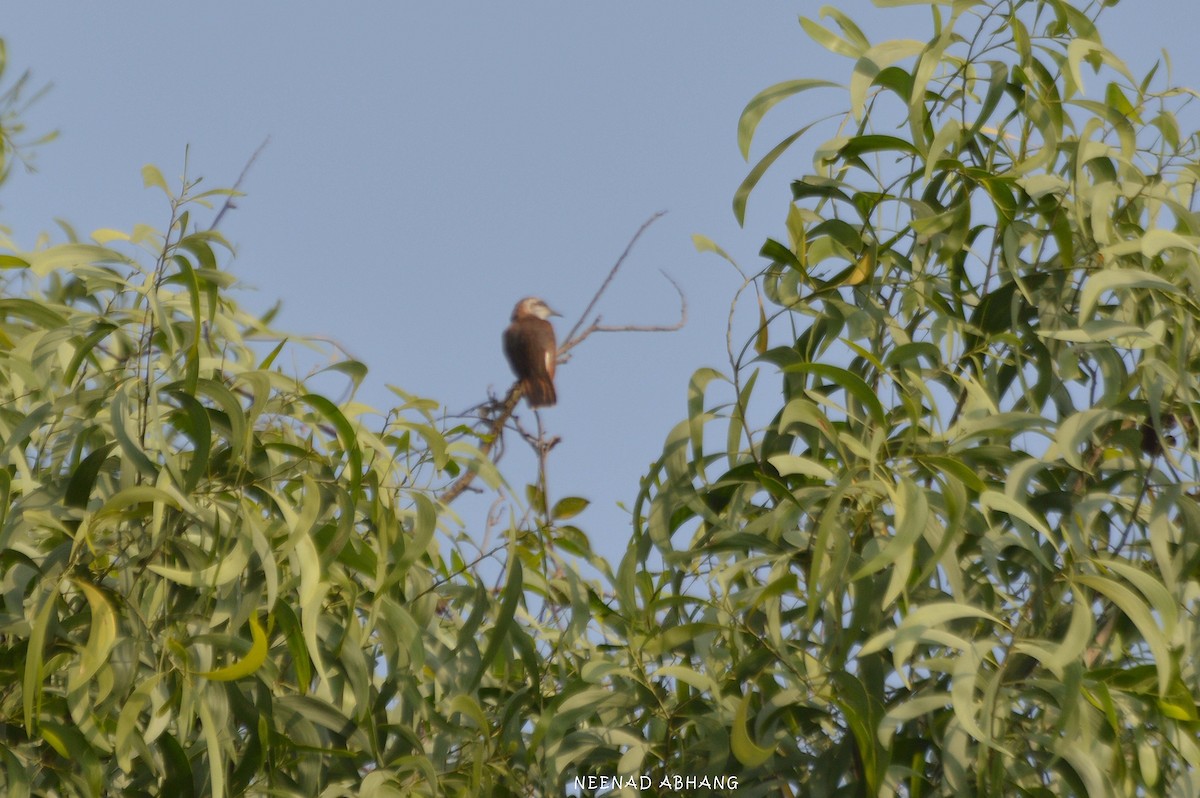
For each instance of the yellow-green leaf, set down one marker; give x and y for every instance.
(248, 664)
(748, 752)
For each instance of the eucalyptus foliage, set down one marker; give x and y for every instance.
(963, 555)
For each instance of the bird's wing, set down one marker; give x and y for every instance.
(530, 348)
(546, 342)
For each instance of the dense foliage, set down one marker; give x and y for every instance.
(213, 579)
(934, 533)
(962, 558)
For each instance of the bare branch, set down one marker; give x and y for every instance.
(596, 326)
(229, 201)
(613, 273)
(501, 411)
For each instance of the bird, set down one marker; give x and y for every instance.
(531, 350)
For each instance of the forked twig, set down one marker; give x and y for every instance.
(596, 326)
(611, 274)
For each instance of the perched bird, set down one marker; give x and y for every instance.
(531, 351)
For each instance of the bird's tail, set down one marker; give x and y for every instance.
(539, 392)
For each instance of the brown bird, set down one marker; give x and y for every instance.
(531, 351)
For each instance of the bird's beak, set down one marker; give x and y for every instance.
(553, 312)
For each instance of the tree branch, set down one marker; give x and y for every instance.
(502, 411)
(569, 337)
(236, 190)
(491, 437)
(596, 326)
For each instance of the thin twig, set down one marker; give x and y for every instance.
(596, 326)
(229, 201)
(461, 570)
(490, 439)
(613, 273)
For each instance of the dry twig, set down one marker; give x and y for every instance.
(236, 191)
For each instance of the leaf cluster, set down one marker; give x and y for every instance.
(959, 556)
(215, 579)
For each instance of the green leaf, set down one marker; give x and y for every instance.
(125, 430)
(65, 256)
(104, 235)
(102, 635)
(850, 382)
(1075, 434)
(706, 244)
(32, 684)
(916, 624)
(1116, 280)
(742, 195)
(193, 422)
(568, 507)
(871, 63)
(127, 737)
(862, 145)
(221, 572)
(83, 478)
(248, 664)
(293, 635)
(1010, 505)
(828, 39)
(677, 637)
(1164, 605)
(862, 713)
(789, 464)
(514, 589)
(209, 708)
(912, 515)
(16, 775)
(84, 350)
(152, 177)
(946, 139)
(748, 752)
(346, 435)
(269, 360)
(764, 101)
(1137, 611)
(424, 525)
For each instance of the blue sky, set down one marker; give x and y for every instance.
(430, 164)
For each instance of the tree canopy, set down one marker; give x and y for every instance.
(933, 532)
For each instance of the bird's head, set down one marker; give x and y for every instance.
(535, 307)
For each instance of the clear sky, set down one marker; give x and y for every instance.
(431, 163)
